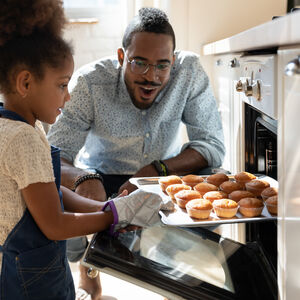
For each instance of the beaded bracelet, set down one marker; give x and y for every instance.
(83, 178)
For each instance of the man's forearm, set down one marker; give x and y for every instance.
(69, 173)
(187, 162)
(76, 203)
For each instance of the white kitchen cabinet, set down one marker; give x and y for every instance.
(226, 72)
(289, 173)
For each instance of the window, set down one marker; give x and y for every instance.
(76, 9)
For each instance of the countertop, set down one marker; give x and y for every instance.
(282, 31)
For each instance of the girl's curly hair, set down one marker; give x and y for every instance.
(31, 36)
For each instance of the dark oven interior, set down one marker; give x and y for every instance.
(261, 158)
(260, 143)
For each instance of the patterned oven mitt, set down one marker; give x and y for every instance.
(140, 208)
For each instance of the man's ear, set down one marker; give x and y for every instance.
(121, 56)
(23, 82)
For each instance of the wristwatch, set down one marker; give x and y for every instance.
(160, 167)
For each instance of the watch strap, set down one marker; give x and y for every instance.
(160, 167)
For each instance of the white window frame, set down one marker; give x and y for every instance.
(88, 11)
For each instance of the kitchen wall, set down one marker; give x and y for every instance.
(196, 22)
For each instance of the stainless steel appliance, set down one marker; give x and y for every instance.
(257, 87)
(194, 262)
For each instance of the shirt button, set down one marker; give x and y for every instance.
(147, 135)
(145, 155)
(143, 113)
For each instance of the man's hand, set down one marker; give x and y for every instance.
(127, 186)
(146, 171)
(92, 189)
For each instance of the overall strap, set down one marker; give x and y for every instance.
(10, 114)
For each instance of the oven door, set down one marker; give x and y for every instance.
(184, 263)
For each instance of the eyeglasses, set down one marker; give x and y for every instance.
(139, 66)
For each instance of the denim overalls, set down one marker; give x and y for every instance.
(34, 267)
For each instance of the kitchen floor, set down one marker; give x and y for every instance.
(116, 289)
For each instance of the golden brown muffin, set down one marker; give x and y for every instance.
(269, 192)
(272, 205)
(240, 194)
(230, 186)
(184, 196)
(168, 180)
(199, 208)
(243, 177)
(192, 180)
(256, 186)
(215, 195)
(205, 187)
(217, 179)
(225, 208)
(251, 207)
(175, 188)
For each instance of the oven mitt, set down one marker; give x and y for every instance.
(167, 204)
(139, 208)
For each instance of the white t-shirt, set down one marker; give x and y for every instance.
(25, 158)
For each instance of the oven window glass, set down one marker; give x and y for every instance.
(194, 262)
(185, 253)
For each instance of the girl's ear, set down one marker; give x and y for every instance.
(23, 82)
(121, 56)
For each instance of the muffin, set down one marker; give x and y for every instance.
(244, 177)
(214, 195)
(199, 208)
(251, 207)
(175, 188)
(230, 186)
(192, 180)
(272, 205)
(256, 186)
(165, 181)
(217, 179)
(184, 196)
(225, 208)
(205, 187)
(240, 194)
(269, 192)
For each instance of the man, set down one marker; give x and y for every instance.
(124, 117)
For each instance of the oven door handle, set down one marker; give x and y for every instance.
(293, 67)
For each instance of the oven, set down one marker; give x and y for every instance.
(257, 93)
(197, 263)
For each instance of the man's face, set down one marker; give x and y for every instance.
(147, 48)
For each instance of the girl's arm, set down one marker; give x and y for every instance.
(73, 202)
(43, 202)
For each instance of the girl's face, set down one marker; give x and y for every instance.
(49, 95)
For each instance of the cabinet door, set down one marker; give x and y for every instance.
(289, 173)
(226, 72)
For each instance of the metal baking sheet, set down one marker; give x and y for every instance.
(179, 216)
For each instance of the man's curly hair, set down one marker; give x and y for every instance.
(31, 37)
(151, 20)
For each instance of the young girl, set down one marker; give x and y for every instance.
(36, 215)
